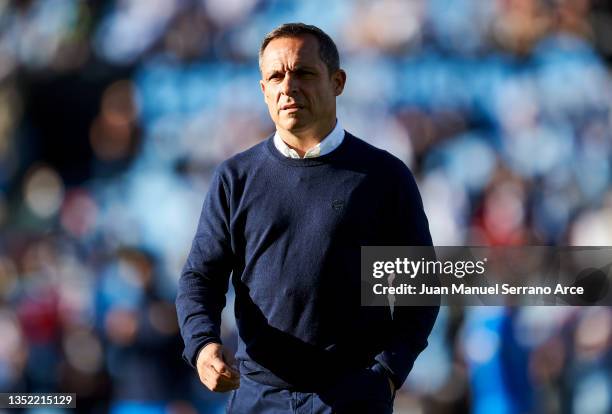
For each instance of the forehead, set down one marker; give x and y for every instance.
(289, 51)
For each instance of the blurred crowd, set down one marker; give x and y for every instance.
(113, 115)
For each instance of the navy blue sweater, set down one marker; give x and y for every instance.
(289, 231)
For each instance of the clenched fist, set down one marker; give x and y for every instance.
(214, 372)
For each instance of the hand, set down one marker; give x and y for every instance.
(214, 372)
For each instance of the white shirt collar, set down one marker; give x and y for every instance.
(327, 144)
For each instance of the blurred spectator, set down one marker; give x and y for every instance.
(113, 115)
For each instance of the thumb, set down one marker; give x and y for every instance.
(221, 367)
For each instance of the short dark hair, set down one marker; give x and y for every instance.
(327, 48)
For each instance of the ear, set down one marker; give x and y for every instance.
(339, 80)
(262, 84)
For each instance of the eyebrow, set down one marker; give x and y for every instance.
(303, 67)
(297, 68)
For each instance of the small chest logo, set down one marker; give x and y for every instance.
(337, 205)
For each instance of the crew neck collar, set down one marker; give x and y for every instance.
(308, 162)
(329, 143)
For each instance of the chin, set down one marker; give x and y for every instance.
(291, 125)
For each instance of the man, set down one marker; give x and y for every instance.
(287, 218)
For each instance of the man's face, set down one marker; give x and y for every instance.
(297, 87)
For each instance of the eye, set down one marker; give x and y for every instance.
(303, 73)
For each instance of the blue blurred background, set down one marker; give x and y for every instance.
(113, 115)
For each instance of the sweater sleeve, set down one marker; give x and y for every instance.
(411, 325)
(204, 279)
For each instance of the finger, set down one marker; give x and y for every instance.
(220, 383)
(234, 373)
(228, 387)
(234, 370)
(209, 381)
(208, 377)
(219, 365)
(229, 381)
(206, 380)
(225, 388)
(230, 366)
(224, 369)
(227, 376)
(228, 384)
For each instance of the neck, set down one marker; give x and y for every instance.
(301, 142)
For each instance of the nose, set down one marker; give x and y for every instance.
(289, 86)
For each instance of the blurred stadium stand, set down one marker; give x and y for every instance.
(113, 115)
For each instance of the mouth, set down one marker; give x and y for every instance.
(291, 107)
